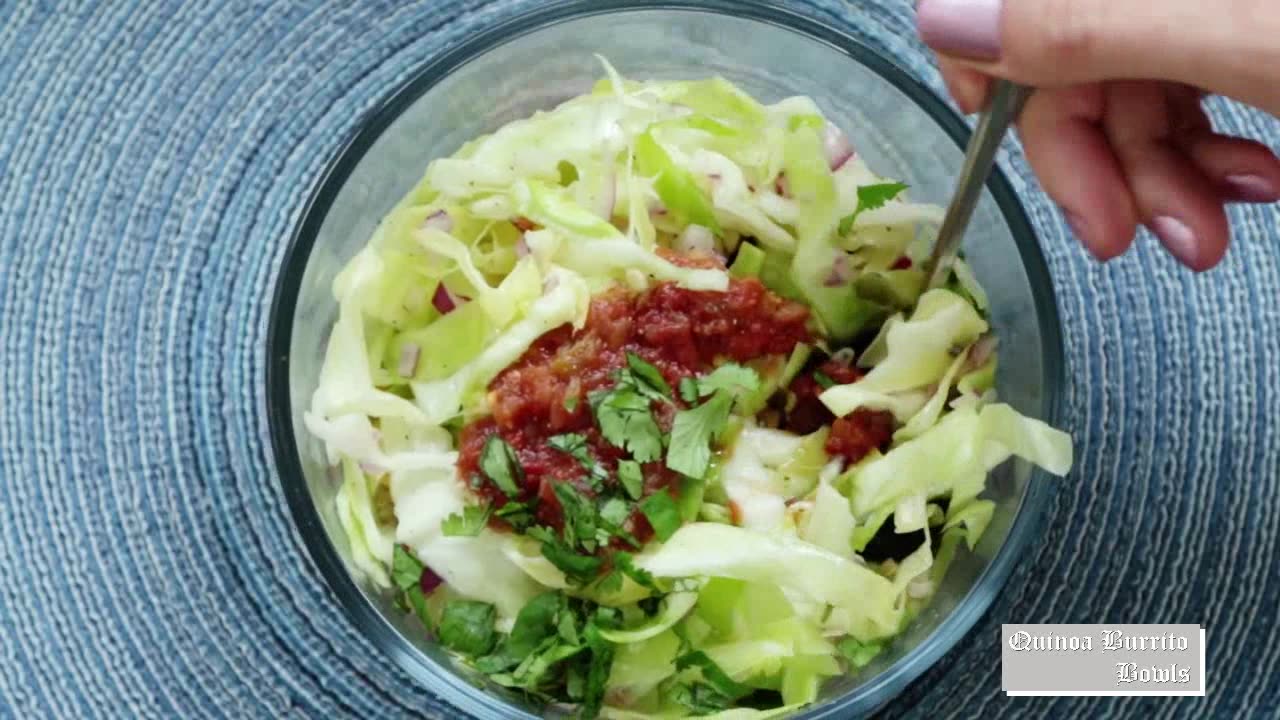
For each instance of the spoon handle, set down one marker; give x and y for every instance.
(1006, 103)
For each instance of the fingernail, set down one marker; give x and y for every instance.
(1178, 239)
(1251, 188)
(967, 28)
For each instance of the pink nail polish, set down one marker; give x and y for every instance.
(967, 28)
(1179, 239)
(1251, 188)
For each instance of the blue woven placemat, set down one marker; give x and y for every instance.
(153, 158)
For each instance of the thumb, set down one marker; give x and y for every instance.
(1227, 48)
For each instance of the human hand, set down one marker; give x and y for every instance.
(1116, 132)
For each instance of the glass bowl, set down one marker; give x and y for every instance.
(536, 60)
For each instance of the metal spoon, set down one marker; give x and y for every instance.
(1006, 103)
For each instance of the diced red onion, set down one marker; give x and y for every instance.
(841, 272)
(522, 247)
(409, 355)
(696, 238)
(902, 263)
(608, 198)
(429, 581)
(444, 301)
(981, 352)
(836, 146)
(439, 220)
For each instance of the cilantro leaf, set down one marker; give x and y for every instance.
(689, 390)
(417, 601)
(663, 514)
(631, 477)
(824, 381)
(406, 571)
(700, 699)
(646, 378)
(712, 674)
(575, 444)
(571, 402)
(577, 568)
(579, 516)
(615, 512)
(598, 671)
(469, 523)
(535, 623)
(467, 627)
(499, 462)
(613, 517)
(693, 432)
(870, 197)
(518, 515)
(730, 377)
(625, 562)
(626, 422)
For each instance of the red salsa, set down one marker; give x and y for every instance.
(681, 332)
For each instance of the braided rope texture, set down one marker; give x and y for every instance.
(154, 158)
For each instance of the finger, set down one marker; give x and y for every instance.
(1187, 106)
(1054, 43)
(1242, 170)
(967, 86)
(1174, 198)
(1069, 152)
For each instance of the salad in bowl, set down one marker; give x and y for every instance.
(641, 408)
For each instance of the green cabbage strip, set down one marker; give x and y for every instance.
(954, 456)
(916, 353)
(566, 302)
(723, 551)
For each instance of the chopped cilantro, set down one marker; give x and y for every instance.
(715, 677)
(646, 378)
(467, 524)
(417, 601)
(518, 515)
(578, 568)
(615, 512)
(730, 377)
(571, 402)
(575, 444)
(613, 516)
(626, 422)
(689, 390)
(699, 698)
(631, 477)
(499, 462)
(663, 514)
(625, 563)
(693, 432)
(870, 197)
(579, 516)
(823, 379)
(598, 671)
(467, 627)
(406, 571)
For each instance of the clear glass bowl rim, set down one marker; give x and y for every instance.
(444, 683)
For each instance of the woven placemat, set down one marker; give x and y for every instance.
(153, 160)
